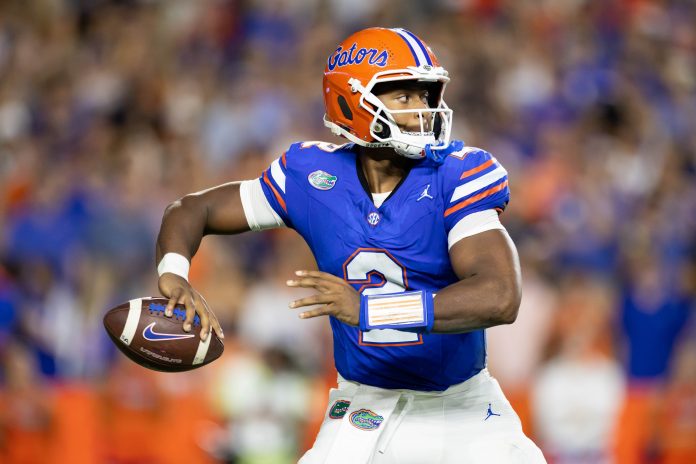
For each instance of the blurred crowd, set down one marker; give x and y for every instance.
(109, 110)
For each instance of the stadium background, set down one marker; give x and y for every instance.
(111, 109)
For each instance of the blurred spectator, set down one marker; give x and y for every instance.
(578, 393)
(676, 426)
(265, 402)
(25, 408)
(267, 323)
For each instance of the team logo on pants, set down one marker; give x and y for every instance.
(339, 409)
(364, 419)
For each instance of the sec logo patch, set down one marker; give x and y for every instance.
(373, 218)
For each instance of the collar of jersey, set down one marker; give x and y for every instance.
(366, 185)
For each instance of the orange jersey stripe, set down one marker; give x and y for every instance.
(284, 161)
(478, 168)
(476, 198)
(275, 192)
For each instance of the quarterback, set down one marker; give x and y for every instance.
(413, 261)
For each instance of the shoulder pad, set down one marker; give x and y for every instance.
(473, 178)
(464, 153)
(467, 162)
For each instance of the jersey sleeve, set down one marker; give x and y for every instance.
(274, 184)
(475, 182)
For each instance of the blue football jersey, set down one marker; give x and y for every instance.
(319, 190)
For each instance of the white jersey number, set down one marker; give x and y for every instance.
(324, 146)
(360, 269)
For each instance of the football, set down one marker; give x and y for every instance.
(142, 332)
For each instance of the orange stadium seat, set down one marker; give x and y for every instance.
(23, 442)
(76, 414)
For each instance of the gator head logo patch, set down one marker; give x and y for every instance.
(364, 419)
(322, 180)
(339, 409)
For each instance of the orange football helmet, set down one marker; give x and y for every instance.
(374, 56)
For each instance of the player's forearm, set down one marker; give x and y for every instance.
(477, 302)
(182, 229)
(217, 210)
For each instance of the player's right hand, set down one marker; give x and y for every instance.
(179, 291)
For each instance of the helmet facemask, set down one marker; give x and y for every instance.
(435, 121)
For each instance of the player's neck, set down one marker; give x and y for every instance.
(383, 168)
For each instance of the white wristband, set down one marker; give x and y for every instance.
(174, 263)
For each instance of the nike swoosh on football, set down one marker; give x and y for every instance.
(150, 334)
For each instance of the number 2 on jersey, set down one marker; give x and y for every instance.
(376, 271)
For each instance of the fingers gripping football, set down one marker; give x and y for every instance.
(336, 297)
(179, 291)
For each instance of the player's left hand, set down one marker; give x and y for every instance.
(336, 296)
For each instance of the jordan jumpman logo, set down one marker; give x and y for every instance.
(425, 194)
(490, 413)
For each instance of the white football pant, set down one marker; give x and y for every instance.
(471, 423)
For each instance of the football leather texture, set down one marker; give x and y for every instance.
(142, 332)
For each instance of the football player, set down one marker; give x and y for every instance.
(414, 262)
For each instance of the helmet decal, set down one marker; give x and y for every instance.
(351, 56)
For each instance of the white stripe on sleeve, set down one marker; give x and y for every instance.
(259, 213)
(278, 174)
(477, 184)
(473, 224)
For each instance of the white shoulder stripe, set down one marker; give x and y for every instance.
(278, 174)
(477, 184)
(131, 325)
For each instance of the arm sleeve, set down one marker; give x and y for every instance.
(273, 187)
(476, 192)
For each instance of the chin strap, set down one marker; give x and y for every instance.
(438, 152)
